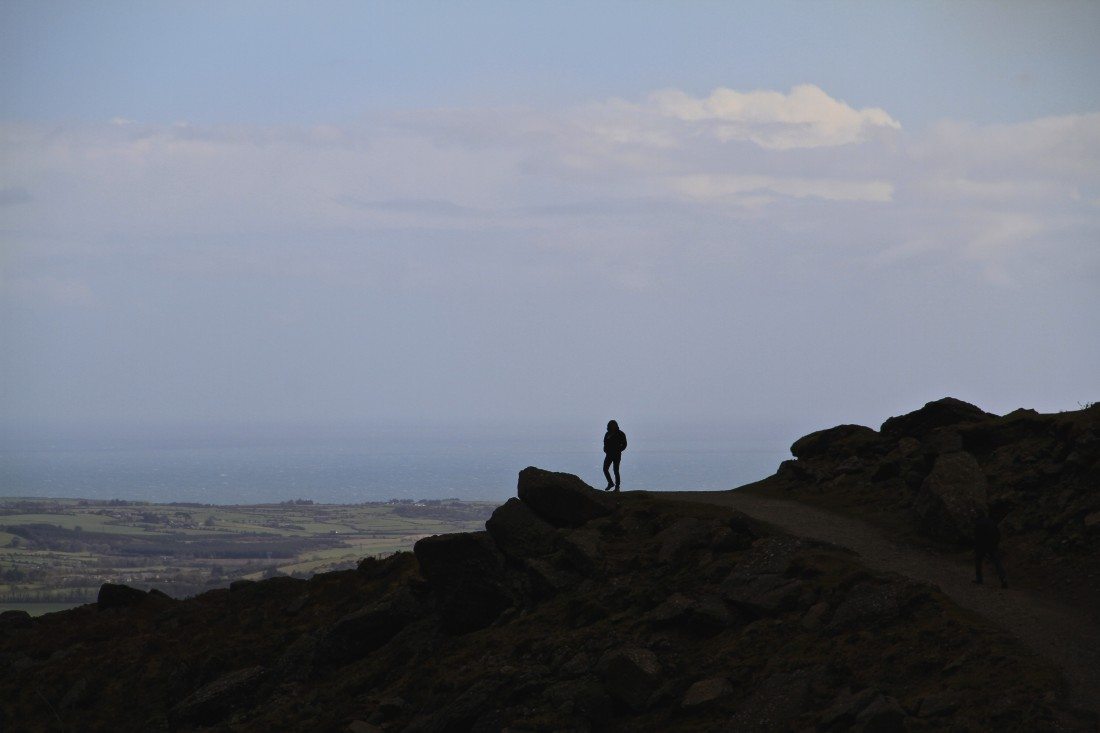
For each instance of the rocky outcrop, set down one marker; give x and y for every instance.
(649, 615)
(112, 595)
(561, 498)
(467, 573)
(518, 531)
(952, 496)
(937, 414)
(930, 472)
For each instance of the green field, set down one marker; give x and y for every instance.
(55, 553)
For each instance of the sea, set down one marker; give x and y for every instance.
(227, 465)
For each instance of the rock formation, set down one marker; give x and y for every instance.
(572, 612)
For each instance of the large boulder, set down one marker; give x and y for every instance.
(467, 573)
(953, 495)
(361, 632)
(843, 440)
(214, 701)
(112, 595)
(937, 414)
(562, 499)
(631, 675)
(519, 532)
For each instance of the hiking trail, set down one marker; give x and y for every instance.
(1066, 637)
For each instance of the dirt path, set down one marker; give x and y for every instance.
(1064, 636)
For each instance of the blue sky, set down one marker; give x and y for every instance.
(326, 62)
(806, 212)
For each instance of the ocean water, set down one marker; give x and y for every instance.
(252, 467)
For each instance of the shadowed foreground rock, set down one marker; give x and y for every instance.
(571, 613)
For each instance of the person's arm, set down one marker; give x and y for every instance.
(623, 441)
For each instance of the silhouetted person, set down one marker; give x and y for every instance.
(986, 539)
(614, 443)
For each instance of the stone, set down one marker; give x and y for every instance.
(762, 595)
(707, 691)
(841, 440)
(562, 499)
(519, 532)
(15, 619)
(630, 675)
(682, 537)
(547, 579)
(242, 584)
(581, 549)
(841, 713)
(815, 617)
(214, 701)
(936, 705)
(936, 414)
(867, 604)
(883, 715)
(772, 703)
(361, 632)
(361, 726)
(466, 571)
(1092, 521)
(952, 496)
(118, 596)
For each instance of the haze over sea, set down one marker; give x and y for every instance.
(352, 465)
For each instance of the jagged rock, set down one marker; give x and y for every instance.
(883, 715)
(770, 556)
(519, 532)
(212, 702)
(630, 675)
(118, 596)
(547, 579)
(762, 595)
(815, 617)
(952, 496)
(683, 536)
(562, 499)
(707, 691)
(772, 703)
(241, 584)
(841, 440)
(867, 605)
(709, 613)
(467, 573)
(841, 714)
(936, 414)
(361, 726)
(581, 549)
(934, 706)
(15, 619)
(363, 631)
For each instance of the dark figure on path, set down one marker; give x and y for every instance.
(614, 443)
(986, 539)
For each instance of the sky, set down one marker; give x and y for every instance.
(694, 212)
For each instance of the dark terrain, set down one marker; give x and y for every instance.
(580, 611)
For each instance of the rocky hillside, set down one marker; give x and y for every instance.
(573, 611)
(928, 474)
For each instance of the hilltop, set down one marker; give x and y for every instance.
(574, 610)
(924, 476)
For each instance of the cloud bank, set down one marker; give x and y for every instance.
(745, 215)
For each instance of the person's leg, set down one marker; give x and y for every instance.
(607, 465)
(978, 553)
(995, 556)
(616, 464)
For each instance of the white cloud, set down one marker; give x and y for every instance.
(805, 117)
(709, 187)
